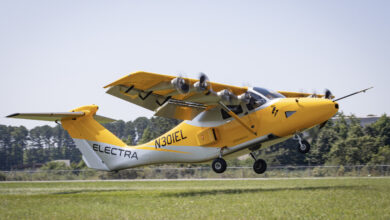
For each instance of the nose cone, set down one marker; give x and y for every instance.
(303, 113)
(315, 110)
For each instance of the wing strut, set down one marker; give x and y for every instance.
(231, 113)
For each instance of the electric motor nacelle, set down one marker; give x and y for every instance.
(230, 98)
(244, 97)
(180, 85)
(226, 96)
(202, 84)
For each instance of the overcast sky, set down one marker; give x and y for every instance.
(57, 55)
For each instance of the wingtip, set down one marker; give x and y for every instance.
(118, 80)
(12, 115)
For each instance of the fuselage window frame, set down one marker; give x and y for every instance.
(256, 101)
(269, 94)
(237, 109)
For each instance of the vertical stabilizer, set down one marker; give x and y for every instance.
(89, 136)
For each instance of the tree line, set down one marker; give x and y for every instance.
(22, 148)
(341, 142)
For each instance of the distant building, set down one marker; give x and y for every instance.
(364, 121)
(368, 120)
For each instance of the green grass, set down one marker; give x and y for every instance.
(339, 198)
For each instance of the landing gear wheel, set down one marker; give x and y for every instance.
(219, 165)
(260, 166)
(304, 147)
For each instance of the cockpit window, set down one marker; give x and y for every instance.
(255, 101)
(268, 93)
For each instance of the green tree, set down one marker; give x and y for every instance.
(18, 144)
(321, 147)
(382, 157)
(146, 136)
(140, 124)
(5, 144)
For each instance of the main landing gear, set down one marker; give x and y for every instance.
(303, 146)
(219, 164)
(260, 166)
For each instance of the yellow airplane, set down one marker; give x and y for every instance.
(219, 120)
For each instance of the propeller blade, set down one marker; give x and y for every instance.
(203, 78)
(181, 85)
(202, 84)
(323, 124)
(328, 94)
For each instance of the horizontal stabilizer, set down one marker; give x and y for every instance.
(57, 116)
(103, 119)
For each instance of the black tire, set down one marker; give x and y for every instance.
(260, 166)
(304, 148)
(219, 165)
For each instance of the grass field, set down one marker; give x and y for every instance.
(339, 198)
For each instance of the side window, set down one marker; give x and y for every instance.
(237, 109)
(255, 101)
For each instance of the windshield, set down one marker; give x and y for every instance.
(268, 93)
(255, 101)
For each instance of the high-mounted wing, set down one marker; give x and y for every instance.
(174, 97)
(300, 94)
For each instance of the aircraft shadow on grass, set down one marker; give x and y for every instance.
(254, 190)
(191, 193)
(92, 191)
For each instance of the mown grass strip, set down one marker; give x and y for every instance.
(211, 199)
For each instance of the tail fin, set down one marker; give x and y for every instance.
(88, 134)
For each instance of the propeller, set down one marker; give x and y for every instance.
(323, 124)
(328, 94)
(314, 94)
(203, 78)
(226, 95)
(202, 84)
(181, 85)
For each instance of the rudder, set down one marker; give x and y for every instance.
(87, 132)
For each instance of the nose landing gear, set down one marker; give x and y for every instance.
(303, 146)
